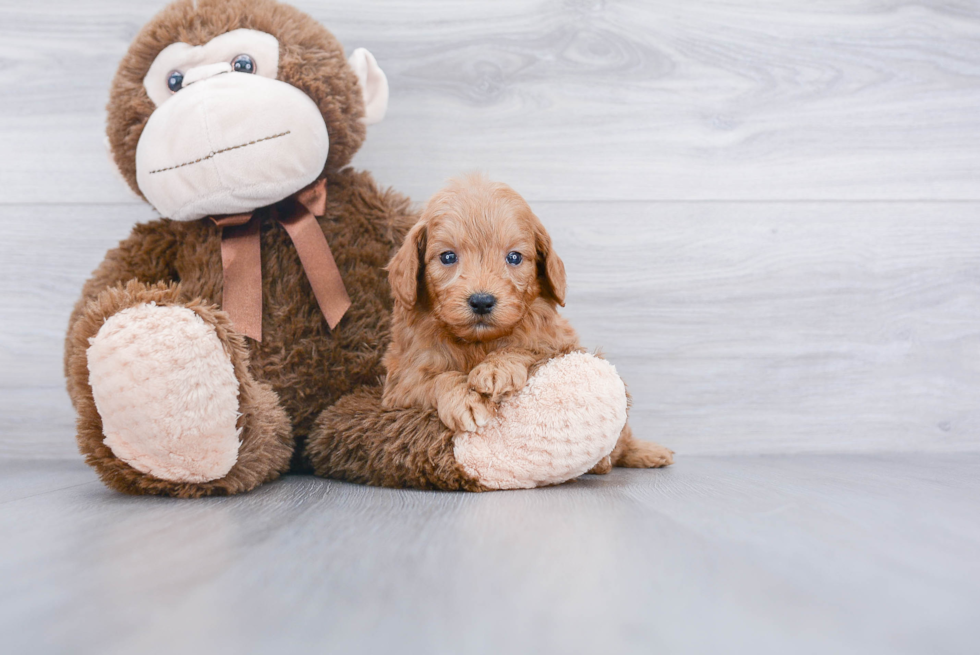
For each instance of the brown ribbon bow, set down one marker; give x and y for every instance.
(241, 259)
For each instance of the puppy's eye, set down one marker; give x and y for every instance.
(448, 258)
(174, 81)
(514, 258)
(243, 64)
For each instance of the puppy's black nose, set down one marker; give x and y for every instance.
(482, 303)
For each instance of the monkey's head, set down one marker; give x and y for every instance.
(224, 106)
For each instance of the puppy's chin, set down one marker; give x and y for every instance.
(480, 330)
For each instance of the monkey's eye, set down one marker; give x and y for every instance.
(514, 258)
(174, 81)
(448, 258)
(243, 64)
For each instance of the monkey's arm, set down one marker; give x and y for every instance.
(359, 440)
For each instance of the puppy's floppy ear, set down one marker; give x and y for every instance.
(551, 269)
(406, 270)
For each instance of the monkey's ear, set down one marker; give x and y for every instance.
(406, 270)
(374, 85)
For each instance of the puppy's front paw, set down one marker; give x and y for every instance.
(464, 410)
(498, 378)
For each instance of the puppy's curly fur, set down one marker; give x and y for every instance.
(476, 285)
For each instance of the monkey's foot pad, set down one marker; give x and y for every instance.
(167, 393)
(566, 419)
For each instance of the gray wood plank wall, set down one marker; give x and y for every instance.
(768, 210)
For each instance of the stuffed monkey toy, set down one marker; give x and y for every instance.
(241, 335)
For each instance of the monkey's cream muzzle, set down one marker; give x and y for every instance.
(228, 143)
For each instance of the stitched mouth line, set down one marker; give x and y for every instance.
(214, 153)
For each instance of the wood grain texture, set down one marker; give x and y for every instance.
(739, 327)
(780, 327)
(799, 554)
(576, 99)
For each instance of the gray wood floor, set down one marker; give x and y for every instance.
(731, 554)
(770, 215)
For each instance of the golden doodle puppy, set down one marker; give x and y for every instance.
(476, 286)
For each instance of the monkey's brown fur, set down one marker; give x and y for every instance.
(359, 441)
(301, 367)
